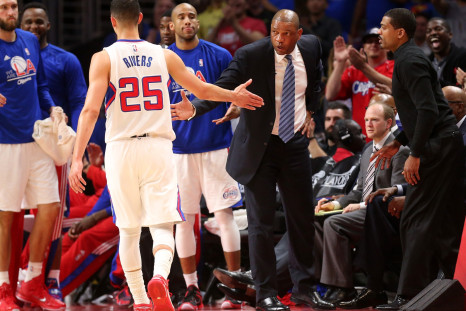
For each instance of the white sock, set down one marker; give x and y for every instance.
(162, 262)
(191, 279)
(135, 280)
(239, 270)
(33, 271)
(4, 277)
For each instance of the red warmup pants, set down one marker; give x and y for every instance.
(83, 257)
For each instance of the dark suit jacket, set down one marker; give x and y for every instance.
(256, 61)
(383, 178)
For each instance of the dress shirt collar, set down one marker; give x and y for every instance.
(380, 144)
(294, 55)
(460, 122)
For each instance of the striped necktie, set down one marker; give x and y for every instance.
(369, 181)
(286, 122)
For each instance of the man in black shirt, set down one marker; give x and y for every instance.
(432, 220)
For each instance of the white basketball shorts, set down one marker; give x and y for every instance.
(26, 172)
(141, 179)
(205, 173)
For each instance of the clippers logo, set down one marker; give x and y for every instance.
(22, 67)
(230, 193)
(362, 87)
(22, 70)
(175, 87)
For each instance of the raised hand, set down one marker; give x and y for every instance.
(357, 59)
(340, 50)
(246, 99)
(232, 113)
(182, 110)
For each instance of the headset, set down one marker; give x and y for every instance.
(344, 134)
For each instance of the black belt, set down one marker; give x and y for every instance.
(142, 135)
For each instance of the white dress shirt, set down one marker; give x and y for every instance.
(300, 88)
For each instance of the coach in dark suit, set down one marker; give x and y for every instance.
(261, 156)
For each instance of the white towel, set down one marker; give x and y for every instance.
(55, 137)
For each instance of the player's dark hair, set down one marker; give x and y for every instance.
(126, 11)
(168, 13)
(402, 18)
(34, 5)
(339, 105)
(443, 21)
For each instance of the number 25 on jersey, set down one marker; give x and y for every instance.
(148, 94)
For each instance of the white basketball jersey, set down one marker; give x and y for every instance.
(137, 100)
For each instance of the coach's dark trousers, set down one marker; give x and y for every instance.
(287, 165)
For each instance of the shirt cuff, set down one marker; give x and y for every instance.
(362, 205)
(336, 205)
(194, 114)
(400, 189)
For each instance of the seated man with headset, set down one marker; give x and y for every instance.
(342, 232)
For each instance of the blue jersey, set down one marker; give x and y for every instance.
(23, 83)
(65, 79)
(207, 61)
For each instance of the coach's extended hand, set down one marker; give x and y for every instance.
(242, 98)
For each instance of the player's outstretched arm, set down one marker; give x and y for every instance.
(241, 97)
(99, 75)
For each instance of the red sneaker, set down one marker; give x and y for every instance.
(192, 299)
(35, 293)
(7, 299)
(230, 303)
(158, 292)
(142, 307)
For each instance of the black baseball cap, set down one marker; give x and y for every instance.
(372, 33)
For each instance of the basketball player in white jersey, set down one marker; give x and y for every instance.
(141, 172)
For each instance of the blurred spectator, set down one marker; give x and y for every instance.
(324, 27)
(210, 18)
(446, 56)
(327, 147)
(236, 29)
(258, 10)
(454, 11)
(358, 83)
(167, 34)
(160, 7)
(420, 34)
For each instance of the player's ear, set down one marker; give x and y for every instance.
(172, 26)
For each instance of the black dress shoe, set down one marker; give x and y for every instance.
(234, 279)
(312, 299)
(366, 298)
(271, 304)
(337, 294)
(248, 294)
(396, 304)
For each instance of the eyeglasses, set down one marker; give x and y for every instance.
(455, 102)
